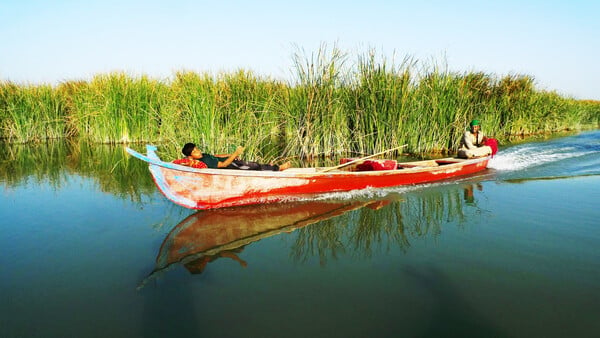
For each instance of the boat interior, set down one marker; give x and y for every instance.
(377, 165)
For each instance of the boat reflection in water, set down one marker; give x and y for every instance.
(345, 225)
(208, 235)
(469, 192)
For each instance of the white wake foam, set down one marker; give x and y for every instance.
(525, 157)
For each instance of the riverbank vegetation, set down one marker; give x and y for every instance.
(335, 104)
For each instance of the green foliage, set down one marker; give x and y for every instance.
(381, 101)
(31, 113)
(316, 116)
(116, 108)
(334, 106)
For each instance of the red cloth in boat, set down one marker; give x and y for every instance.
(492, 143)
(372, 165)
(191, 163)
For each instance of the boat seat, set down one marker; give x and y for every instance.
(419, 164)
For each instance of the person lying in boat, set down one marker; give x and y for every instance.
(473, 142)
(196, 159)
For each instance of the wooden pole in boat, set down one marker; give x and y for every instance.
(362, 159)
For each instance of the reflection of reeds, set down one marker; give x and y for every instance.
(322, 240)
(333, 106)
(110, 166)
(365, 231)
(115, 171)
(22, 162)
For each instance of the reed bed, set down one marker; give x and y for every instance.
(316, 117)
(31, 113)
(334, 105)
(116, 108)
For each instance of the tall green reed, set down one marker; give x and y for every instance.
(379, 103)
(224, 111)
(317, 117)
(30, 113)
(116, 108)
(334, 105)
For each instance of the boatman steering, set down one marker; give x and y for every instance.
(473, 142)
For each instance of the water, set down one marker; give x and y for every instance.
(511, 252)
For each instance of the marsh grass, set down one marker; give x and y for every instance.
(221, 112)
(381, 100)
(31, 113)
(116, 108)
(334, 105)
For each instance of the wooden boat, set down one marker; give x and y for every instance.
(212, 234)
(218, 188)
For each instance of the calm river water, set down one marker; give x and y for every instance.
(89, 248)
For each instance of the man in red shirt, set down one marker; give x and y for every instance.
(196, 159)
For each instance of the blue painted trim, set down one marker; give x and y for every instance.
(154, 162)
(153, 159)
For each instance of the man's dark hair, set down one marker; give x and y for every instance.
(187, 149)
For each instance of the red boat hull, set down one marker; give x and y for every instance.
(217, 188)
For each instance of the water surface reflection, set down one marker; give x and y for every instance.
(472, 257)
(206, 236)
(325, 229)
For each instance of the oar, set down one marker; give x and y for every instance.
(361, 159)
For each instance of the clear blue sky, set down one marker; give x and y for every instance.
(556, 42)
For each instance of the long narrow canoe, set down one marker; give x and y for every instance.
(218, 188)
